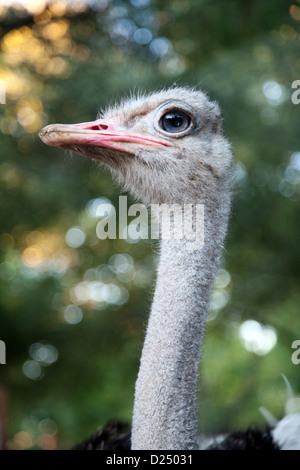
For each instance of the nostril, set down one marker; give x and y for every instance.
(100, 127)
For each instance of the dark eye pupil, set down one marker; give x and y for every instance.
(175, 122)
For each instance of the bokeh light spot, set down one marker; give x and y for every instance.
(75, 237)
(257, 338)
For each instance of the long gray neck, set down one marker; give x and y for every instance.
(164, 415)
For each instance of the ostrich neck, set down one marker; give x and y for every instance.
(164, 415)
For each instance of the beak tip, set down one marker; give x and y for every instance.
(42, 134)
(45, 135)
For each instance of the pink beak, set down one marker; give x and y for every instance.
(99, 133)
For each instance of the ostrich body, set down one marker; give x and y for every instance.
(167, 148)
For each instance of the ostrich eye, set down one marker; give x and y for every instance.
(175, 122)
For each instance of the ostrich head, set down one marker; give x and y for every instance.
(166, 147)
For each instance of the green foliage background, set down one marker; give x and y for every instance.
(62, 63)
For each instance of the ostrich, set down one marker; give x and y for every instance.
(168, 148)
